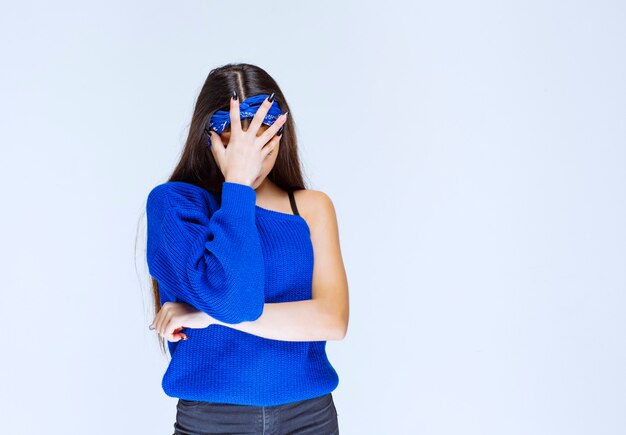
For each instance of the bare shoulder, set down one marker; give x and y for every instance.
(315, 206)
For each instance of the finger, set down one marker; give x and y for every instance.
(257, 120)
(167, 317)
(157, 326)
(273, 129)
(172, 331)
(180, 335)
(270, 146)
(174, 337)
(235, 120)
(159, 318)
(217, 147)
(177, 337)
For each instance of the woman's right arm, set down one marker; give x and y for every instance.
(212, 261)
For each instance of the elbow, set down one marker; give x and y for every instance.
(340, 331)
(344, 319)
(339, 327)
(335, 319)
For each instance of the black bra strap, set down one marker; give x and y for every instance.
(292, 200)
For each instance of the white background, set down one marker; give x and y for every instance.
(475, 153)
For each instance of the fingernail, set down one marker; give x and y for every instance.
(280, 130)
(150, 327)
(234, 95)
(271, 98)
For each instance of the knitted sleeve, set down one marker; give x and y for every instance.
(212, 261)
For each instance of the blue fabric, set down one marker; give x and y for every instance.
(247, 109)
(226, 256)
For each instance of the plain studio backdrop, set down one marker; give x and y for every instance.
(475, 154)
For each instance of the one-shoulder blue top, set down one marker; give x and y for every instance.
(227, 256)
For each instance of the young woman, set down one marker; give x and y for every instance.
(246, 268)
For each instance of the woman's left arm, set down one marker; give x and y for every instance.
(326, 315)
(322, 318)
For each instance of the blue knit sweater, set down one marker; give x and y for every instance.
(227, 256)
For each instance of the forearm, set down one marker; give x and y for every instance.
(308, 320)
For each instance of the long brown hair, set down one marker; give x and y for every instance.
(197, 165)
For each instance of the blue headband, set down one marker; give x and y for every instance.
(247, 108)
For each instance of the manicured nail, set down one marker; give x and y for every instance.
(151, 327)
(280, 130)
(271, 98)
(235, 95)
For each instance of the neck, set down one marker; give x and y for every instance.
(267, 190)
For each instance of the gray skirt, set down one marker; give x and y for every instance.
(311, 416)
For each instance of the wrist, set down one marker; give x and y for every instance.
(239, 180)
(198, 320)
